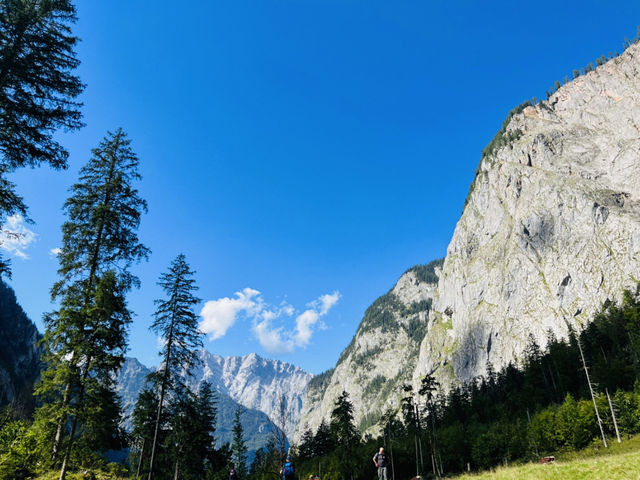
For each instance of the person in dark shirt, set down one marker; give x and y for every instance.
(380, 459)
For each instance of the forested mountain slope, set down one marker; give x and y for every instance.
(381, 355)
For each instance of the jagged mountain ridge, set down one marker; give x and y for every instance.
(251, 381)
(381, 355)
(257, 383)
(550, 231)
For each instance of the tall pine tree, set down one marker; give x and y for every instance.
(177, 324)
(85, 339)
(37, 90)
(239, 446)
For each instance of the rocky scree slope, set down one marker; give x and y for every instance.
(381, 355)
(550, 230)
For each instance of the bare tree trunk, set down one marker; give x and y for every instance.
(393, 470)
(144, 443)
(63, 419)
(162, 393)
(613, 415)
(593, 397)
(157, 428)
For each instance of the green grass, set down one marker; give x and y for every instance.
(619, 462)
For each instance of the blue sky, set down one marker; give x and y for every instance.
(302, 154)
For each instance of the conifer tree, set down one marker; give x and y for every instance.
(85, 339)
(192, 432)
(177, 324)
(143, 420)
(239, 446)
(322, 440)
(344, 433)
(37, 90)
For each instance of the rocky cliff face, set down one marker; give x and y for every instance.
(251, 381)
(550, 231)
(19, 353)
(381, 356)
(551, 228)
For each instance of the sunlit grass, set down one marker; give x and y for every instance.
(619, 462)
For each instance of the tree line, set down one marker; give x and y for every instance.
(524, 411)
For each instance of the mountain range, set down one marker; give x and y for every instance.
(254, 383)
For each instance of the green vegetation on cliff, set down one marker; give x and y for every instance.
(517, 414)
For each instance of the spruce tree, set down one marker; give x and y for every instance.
(239, 446)
(192, 432)
(177, 324)
(85, 339)
(323, 440)
(37, 90)
(344, 433)
(143, 422)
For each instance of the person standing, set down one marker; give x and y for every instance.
(380, 459)
(288, 471)
(232, 473)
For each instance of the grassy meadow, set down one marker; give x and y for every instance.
(618, 462)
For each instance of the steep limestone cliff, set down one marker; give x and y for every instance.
(551, 228)
(381, 356)
(550, 231)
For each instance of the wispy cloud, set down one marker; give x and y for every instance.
(278, 329)
(54, 252)
(15, 237)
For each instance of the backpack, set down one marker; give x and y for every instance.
(288, 470)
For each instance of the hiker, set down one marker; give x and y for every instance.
(380, 459)
(232, 473)
(288, 471)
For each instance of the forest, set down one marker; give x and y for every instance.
(520, 413)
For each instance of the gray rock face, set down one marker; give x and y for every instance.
(379, 359)
(550, 231)
(257, 383)
(251, 381)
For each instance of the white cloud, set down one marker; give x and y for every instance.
(327, 301)
(272, 339)
(54, 252)
(308, 320)
(218, 316)
(15, 237)
(277, 329)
